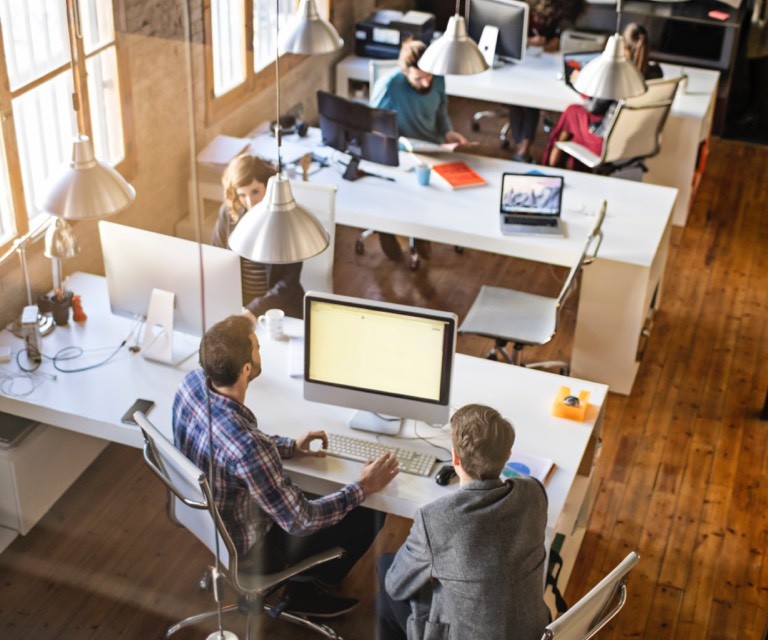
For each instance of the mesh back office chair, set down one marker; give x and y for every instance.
(590, 614)
(190, 504)
(634, 132)
(320, 199)
(522, 318)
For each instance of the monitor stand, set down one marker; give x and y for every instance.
(160, 344)
(353, 171)
(376, 423)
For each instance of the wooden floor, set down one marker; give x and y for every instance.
(681, 478)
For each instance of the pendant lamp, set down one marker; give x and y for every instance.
(308, 33)
(454, 52)
(611, 76)
(277, 230)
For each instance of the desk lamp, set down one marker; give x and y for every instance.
(611, 76)
(308, 33)
(277, 230)
(454, 52)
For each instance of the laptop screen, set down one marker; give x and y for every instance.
(531, 194)
(575, 61)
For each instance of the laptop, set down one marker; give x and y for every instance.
(530, 204)
(574, 61)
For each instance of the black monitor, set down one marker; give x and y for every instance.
(511, 18)
(365, 133)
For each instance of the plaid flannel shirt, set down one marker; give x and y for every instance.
(250, 487)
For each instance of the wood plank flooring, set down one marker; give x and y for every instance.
(682, 475)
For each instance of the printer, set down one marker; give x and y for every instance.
(381, 34)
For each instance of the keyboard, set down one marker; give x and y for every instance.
(351, 448)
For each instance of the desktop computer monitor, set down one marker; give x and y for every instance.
(364, 132)
(380, 358)
(511, 18)
(136, 262)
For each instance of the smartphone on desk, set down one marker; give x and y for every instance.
(145, 406)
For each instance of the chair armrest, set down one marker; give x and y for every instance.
(259, 583)
(580, 152)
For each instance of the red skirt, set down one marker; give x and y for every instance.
(575, 120)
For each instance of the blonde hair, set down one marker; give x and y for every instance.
(241, 172)
(482, 439)
(636, 37)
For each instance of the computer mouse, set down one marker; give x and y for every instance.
(571, 401)
(446, 473)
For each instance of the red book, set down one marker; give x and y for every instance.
(458, 175)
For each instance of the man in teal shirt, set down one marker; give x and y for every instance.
(419, 99)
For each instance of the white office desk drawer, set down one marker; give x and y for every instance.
(35, 473)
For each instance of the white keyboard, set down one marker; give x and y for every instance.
(415, 462)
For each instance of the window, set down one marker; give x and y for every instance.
(40, 39)
(242, 34)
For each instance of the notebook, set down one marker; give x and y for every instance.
(530, 204)
(574, 61)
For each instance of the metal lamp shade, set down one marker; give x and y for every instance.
(453, 53)
(308, 33)
(611, 76)
(277, 230)
(88, 188)
(60, 241)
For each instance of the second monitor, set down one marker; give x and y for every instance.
(511, 19)
(381, 358)
(363, 132)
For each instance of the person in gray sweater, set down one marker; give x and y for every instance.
(473, 564)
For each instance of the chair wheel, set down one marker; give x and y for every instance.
(491, 355)
(359, 247)
(459, 249)
(505, 144)
(415, 262)
(475, 126)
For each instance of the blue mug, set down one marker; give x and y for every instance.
(422, 174)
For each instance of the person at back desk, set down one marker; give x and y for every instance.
(473, 564)
(421, 104)
(264, 286)
(272, 522)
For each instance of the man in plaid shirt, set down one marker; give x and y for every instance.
(271, 521)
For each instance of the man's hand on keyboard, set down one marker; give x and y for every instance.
(302, 444)
(379, 473)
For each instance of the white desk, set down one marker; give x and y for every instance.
(619, 290)
(536, 83)
(92, 403)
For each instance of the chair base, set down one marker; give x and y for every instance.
(516, 358)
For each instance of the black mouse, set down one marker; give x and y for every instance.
(446, 473)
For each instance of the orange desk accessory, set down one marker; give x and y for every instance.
(562, 409)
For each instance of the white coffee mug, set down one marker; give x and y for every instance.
(272, 321)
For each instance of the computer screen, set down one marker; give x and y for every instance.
(364, 132)
(576, 61)
(511, 18)
(137, 261)
(378, 357)
(531, 194)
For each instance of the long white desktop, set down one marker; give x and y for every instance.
(537, 83)
(92, 403)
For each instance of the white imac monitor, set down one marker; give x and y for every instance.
(511, 19)
(390, 361)
(159, 277)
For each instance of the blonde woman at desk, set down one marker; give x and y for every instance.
(264, 286)
(421, 104)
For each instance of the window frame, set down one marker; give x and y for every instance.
(127, 167)
(217, 108)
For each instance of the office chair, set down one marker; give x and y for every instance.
(590, 614)
(574, 40)
(190, 504)
(634, 132)
(320, 199)
(526, 319)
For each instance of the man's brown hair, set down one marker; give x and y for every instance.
(410, 54)
(225, 349)
(482, 438)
